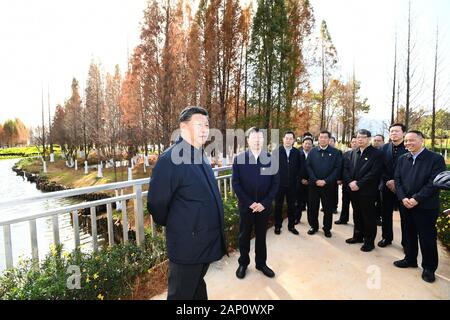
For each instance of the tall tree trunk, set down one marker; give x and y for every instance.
(43, 128)
(408, 77)
(322, 116)
(393, 85)
(433, 119)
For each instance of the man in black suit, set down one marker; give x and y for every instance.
(256, 181)
(345, 205)
(323, 165)
(183, 196)
(391, 152)
(414, 177)
(362, 175)
(339, 181)
(302, 193)
(290, 166)
(378, 143)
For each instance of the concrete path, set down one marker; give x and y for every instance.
(316, 267)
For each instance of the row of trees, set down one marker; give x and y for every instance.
(247, 66)
(13, 133)
(413, 113)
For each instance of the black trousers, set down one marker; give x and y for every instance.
(345, 213)
(302, 200)
(364, 217)
(390, 200)
(186, 281)
(290, 193)
(335, 197)
(420, 227)
(379, 205)
(315, 196)
(248, 220)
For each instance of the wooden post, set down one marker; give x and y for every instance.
(139, 215)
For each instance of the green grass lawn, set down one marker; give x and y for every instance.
(24, 152)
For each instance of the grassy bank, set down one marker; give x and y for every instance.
(118, 272)
(24, 152)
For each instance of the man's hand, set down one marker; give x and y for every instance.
(353, 186)
(391, 185)
(409, 203)
(253, 206)
(405, 202)
(320, 183)
(258, 208)
(305, 182)
(413, 202)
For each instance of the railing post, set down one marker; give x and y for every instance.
(139, 215)
(110, 224)
(34, 242)
(225, 189)
(76, 229)
(94, 228)
(125, 221)
(56, 240)
(231, 186)
(8, 246)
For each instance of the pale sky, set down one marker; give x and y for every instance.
(363, 32)
(51, 41)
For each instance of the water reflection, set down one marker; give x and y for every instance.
(12, 186)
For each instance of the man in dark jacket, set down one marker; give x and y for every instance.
(256, 182)
(302, 190)
(339, 180)
(391, 152)
(323, 165)
(414, 177)
(290, 166)
(345, 205)
(378, 143)
(183, 196)
(362, 175)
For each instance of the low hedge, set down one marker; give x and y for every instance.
(109, 273)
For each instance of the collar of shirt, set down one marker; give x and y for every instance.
(361, 151)
(306, 153)
(255, 155)
(414, 156)
(320, 148)
(288, 151)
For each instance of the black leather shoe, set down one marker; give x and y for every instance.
(340, 222)
(327, 233)
(353, 240)
(379, 223)
(404, 264)
(293, 230)
(311, 231)
(384, 243)
(296, 221)
(277, 230)
(428, 276)
(335, 212)
(240, 272)
(367, 247)
(267, 271)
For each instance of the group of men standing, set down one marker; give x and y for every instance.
(376, 179)
(183, 196)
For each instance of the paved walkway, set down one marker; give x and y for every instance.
(316, 267)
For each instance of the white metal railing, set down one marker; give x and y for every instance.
(137, 195)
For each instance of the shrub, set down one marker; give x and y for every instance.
(106, 274)
(231, 217)
(443, 221)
